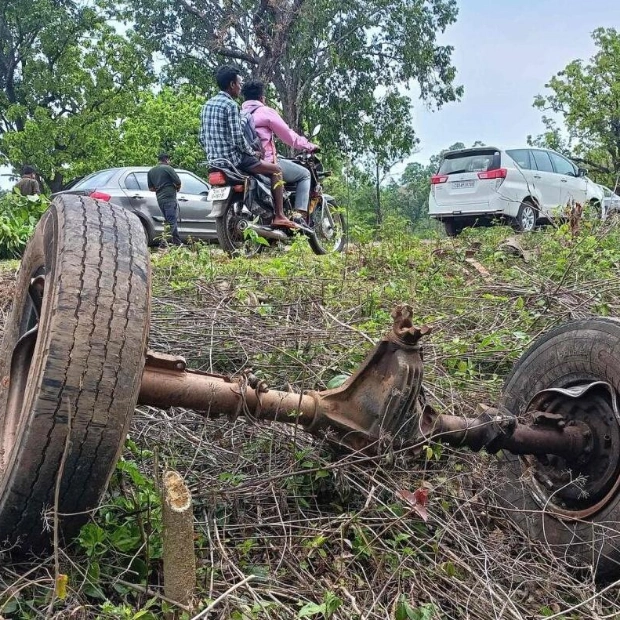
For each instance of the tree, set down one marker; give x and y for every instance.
(66, 77)
(587, 98)
(328, 60)
(164, 121)
(415, 185)
(386, 144)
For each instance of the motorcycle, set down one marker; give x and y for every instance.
(243, 209)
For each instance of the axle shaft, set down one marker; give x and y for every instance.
(494, 432)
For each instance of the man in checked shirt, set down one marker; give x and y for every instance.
(222, 137)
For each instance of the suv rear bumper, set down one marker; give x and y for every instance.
(500, 205)
(449, 215)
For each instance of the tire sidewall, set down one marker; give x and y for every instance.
(37, 253)
(584, 350)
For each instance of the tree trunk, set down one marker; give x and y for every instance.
(178, 540)
(378, 190)
(56, 183)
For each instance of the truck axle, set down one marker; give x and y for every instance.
(382, 406)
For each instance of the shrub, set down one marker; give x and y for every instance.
(18, 217)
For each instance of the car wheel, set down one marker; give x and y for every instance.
(527, 217)
(453, 227)
(147, 236)
(594, 210)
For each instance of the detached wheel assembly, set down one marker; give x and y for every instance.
(74, 364)
(70, 366)
(570, 378)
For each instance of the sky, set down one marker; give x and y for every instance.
(505, 52)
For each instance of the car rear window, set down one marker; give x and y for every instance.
(96, 180)
(470, 161)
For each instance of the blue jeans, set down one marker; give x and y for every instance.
(294, 173)
(170, 211)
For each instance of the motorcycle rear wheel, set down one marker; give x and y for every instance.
(231, 236)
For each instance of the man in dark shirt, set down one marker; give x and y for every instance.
(28, 184)
(165, 182)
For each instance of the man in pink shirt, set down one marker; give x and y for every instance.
(269, 124)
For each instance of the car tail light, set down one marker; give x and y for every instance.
(499, 173)
(217, 178)
(100, 196)
(239, 188)
(436, 179)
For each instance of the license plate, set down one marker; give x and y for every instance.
(462, 184)
(218, 193)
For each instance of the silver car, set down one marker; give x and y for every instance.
(128, 187)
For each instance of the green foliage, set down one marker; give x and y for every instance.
(18, 217)
(164, 121)
(82, 76)
(128, 527)
(404, 611)
(326, 609)
(586, 95)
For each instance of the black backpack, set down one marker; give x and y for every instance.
(249, 130)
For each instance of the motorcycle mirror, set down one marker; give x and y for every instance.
(316, 130)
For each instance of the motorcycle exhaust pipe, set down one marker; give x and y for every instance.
(268, 233)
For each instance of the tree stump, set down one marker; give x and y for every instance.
(178, 540)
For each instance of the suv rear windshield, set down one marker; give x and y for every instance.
(480, 160)
(96, 180)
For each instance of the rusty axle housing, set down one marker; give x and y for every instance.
(380, 407)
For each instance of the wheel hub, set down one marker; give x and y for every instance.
(581, 486)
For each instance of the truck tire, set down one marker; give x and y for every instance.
(70, 365)
(578, 523)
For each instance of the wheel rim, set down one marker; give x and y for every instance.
(235, 225)
(582, 487)
(21, 360)
(328, 228)
(528, 218)
(594, 211)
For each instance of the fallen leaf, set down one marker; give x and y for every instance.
(416, 500)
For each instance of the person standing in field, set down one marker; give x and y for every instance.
(165, 182)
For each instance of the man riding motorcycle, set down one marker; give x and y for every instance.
(222, 137)
(269, 123)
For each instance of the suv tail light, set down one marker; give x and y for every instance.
(100, 196)
(217, 178)
(498, 173)
(436, 179)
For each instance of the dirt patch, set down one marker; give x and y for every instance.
(7, 293)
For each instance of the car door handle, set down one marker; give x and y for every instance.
(564, 180)
(537, 176)
(183, 199)
(138, 197)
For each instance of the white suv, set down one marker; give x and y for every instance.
(482, 184)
